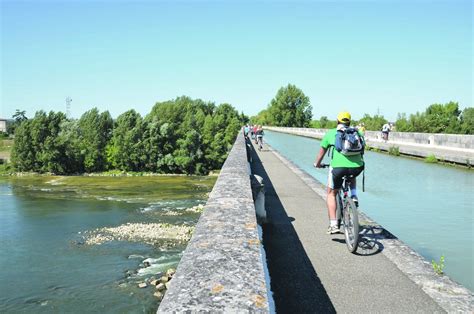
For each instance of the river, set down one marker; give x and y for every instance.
(427, 206)
(46, 266)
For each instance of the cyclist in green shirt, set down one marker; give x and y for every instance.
(340, 166)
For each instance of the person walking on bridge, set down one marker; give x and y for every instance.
(386, 128)
(342, 163)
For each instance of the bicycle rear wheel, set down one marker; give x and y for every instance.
(351, 225)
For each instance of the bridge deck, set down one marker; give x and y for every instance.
(313, 272)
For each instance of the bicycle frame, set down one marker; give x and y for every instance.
(348, 215)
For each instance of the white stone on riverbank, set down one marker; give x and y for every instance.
(150, 233)
(198, 209)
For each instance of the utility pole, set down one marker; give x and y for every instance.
(68, 107)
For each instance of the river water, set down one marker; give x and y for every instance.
(45, 267)
(428, 206)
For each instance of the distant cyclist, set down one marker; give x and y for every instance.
(260, 134)
(342, 163)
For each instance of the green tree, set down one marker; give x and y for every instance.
(402, 124)
(437, 118)
(95, 132)
(69, 140)
(243, 118)
(51, 155)
(323, 123)
(290, 107)
(262, 118)
(23, 154)
(36, 147)
(18, 117)
(374, 123)
(213, 137)
(188, 156)
(443, 118)
(125, 151)
(467, 121)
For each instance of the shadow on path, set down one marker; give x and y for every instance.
(296, 286)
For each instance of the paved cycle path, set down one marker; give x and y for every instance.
(312, 272)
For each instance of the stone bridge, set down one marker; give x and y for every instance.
(288, 264)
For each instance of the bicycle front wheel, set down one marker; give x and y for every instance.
(351, 225)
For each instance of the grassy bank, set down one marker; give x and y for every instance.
(5, 148)
(139, 189)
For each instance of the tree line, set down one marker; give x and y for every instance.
(437, 118)
(291, 108)
(178, 136)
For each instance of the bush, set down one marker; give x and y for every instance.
(431, 159)
(438, 267)
(394, 150)
(5, 167)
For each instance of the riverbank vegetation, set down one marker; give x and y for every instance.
(291, 108)
(178, 136)
(132, 189)
(438, 267)
(437, 118)
(431, 159)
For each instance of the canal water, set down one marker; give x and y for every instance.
(428, 206)
(45, 264)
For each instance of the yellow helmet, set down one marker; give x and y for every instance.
(344, 117)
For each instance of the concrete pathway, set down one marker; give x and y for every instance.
(312, 272)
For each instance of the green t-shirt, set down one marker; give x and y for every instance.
(339, 160)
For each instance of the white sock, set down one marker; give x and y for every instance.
(333, 222)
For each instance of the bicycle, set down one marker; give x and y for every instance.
(346, 213)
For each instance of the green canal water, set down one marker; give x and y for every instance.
(428, 206)
(45, 267)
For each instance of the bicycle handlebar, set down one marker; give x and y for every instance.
(322, 165)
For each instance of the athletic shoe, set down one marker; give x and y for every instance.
(333, 230)
(355, 200)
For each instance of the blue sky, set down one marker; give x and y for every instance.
(383, 56)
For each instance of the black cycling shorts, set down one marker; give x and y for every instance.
(336, 174)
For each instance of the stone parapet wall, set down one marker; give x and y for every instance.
(444, 140)
(222, 268)
(447, 147)
(432, 139)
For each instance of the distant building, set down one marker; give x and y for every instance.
(3, 125)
